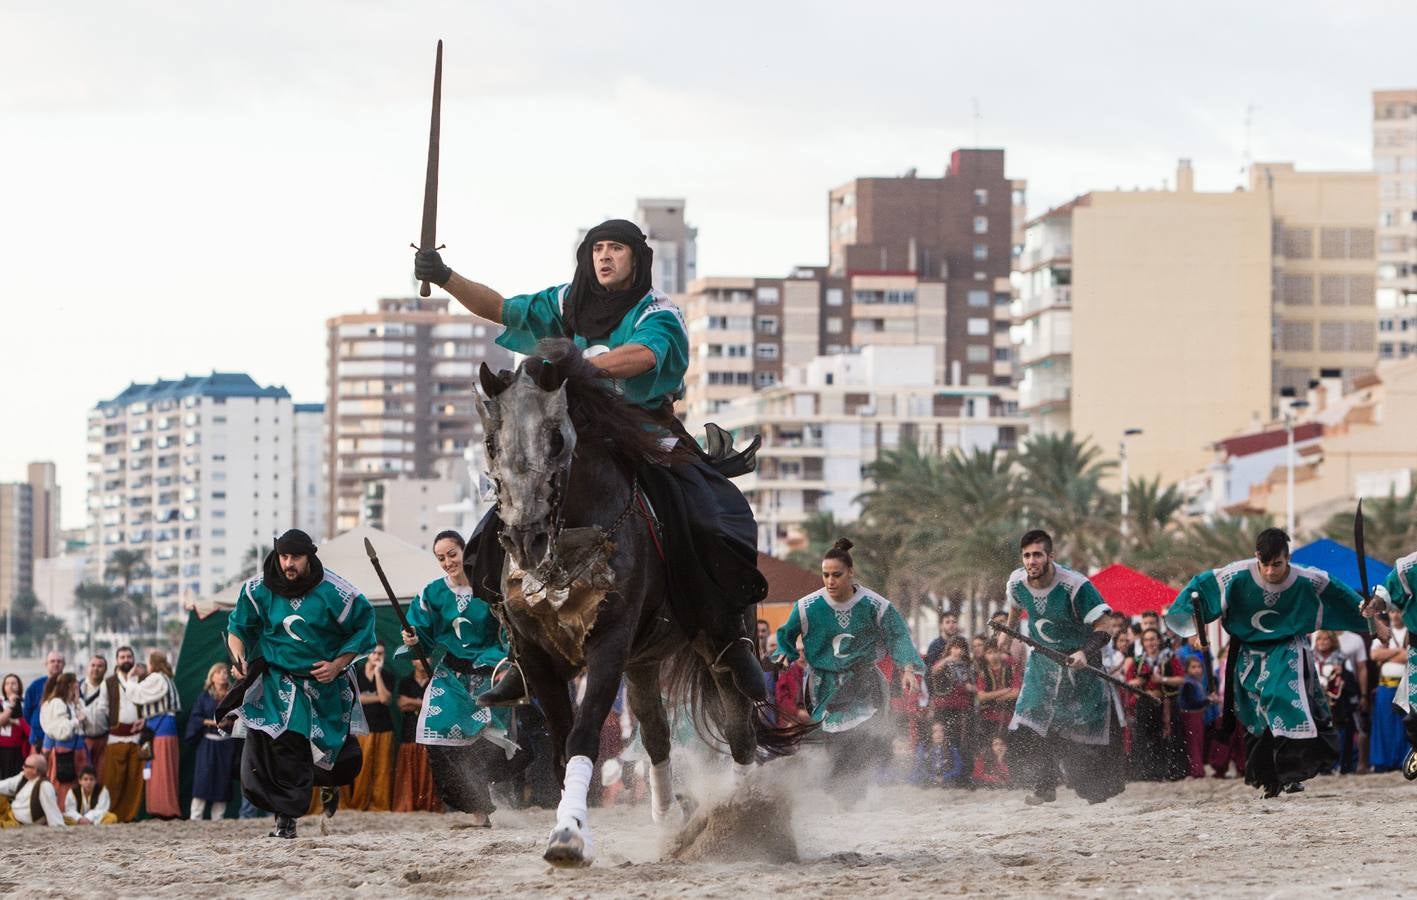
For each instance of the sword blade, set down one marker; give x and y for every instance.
(428, 239)
(1358, 546)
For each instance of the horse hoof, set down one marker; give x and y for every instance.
(567, 849)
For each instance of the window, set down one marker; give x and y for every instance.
(833, 325)
(981, 252)
(834, 297)
(737, 351)
(1003, 354)
(981, 224)
(977, 353)
(978, 299)
(981, 197)
(767, 324)
(767, 295)
(977, 327)
(715, 350)
(765, 379)
(767, 351)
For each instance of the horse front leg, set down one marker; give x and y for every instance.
(643, 693)
(570, 843)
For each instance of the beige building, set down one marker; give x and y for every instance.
(412, 509)
(1171, 321)
(1325, 259)
(1395, 163)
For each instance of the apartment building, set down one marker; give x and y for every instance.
(310, 474)
(1395, 164)
(400, 399)
(674, 242)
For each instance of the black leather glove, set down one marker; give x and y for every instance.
(429, 266)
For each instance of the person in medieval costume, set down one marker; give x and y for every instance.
(1064, 719)
(293, 636)
(1269, 606)
(637, 337)
(846, 630)
(468, 744)
(1400, 590)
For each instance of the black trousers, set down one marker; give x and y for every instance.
(465, 774)
(1275, 761)
(1094, 771)
(278, 774)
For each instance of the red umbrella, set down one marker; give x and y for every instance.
(1130, 592)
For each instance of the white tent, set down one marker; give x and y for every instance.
(408, 568)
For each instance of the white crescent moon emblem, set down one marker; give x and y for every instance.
(1259, 625)
(457, 629)
(1043, 631)
(837, 642)
(286, 625)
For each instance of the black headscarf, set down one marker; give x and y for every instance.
(294, 543)
(590, 310)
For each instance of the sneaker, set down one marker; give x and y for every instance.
(285, 828)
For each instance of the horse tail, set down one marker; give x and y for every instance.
(692, 689)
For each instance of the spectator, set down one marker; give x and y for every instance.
(1341, 686)
(1158, 745)
(14, 730)
(63, 720)
(949, 629)
(116, 715)
(1198, 710)
(87, 803)
(373, 789)
(95, 732)
(765, 646)
(414, 790)
(997, 686)
(1354, 647)
(937, 761)
(1226, 748)
(976, 648)
(990, 769)
(34, 696)
(953, 687)
(156, 698)
(1387, 743)
(1150, 619)
(790, 693)
(216, 752)
(28, 798)
(1116, 654)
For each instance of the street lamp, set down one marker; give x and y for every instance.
(1126, 482)
(1289, 415)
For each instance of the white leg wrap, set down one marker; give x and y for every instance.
(741, 774)
(218, 809)
(199, 806)
(572, 810)
(661, 790)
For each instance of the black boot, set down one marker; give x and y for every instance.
(740, 661)
(510, 691)
(285, 828)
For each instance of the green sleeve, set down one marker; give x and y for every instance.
(663, 333)
(1399, 590)
(489, 629)
(1089, 604)
(902, 648)
(527, 318)
(1339, 608)
(424, 624)
(359, 629)
(1180, 615)
(245, 621)
(788, 634)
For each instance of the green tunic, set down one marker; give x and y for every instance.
(1053, 697)
(842, 643)
(1401, 587)
(451, 617)
(654, 322)
(1275, 687)
(293, 635)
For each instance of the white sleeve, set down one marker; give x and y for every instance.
(49, 801)
(54, 718)
(150, 689)
(100, 807)
(11, 786)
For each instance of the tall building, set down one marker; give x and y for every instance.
(400, 400)
(29, 528)
(310, 475)
(412, 509)
(1395, 162)
(1165, 324)
(958, 229)
(833, 416)
(1325, 257)
(191, 473)
(675, 243)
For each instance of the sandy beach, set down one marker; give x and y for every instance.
(1196, 838)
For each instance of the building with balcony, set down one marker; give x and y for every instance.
(310, 474)
(400, 399)
(1395, 164)
(191, 473)
(1042, 316)
(832, 417)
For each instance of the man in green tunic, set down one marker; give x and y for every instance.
(293, 635)
(636, 336)
(1063, 718)
(1400, 590)
(1269, 606)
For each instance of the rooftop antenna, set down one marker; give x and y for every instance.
(978, 117)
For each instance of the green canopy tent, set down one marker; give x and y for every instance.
(408, 568)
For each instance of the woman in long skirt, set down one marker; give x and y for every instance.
(216, 752)
(414, 790)
(156, 699)
(14, 730)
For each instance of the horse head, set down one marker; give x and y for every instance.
(530, 443)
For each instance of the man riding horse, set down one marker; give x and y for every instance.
(635, 335)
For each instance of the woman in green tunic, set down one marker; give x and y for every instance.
(468, 745)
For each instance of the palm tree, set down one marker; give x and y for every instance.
(1061, 490)
(126, 566)
(93, 600)
(1389, 526)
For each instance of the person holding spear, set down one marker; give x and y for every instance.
(1064, 717)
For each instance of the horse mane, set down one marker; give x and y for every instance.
(598, 412)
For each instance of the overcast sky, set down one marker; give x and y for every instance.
(195, 186)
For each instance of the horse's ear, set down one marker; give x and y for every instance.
(549, 377)
(491, 386)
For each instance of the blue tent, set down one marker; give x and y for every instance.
(1341, 562)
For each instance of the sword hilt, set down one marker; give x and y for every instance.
(424, 289)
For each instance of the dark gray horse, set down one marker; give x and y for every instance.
(585, 583)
